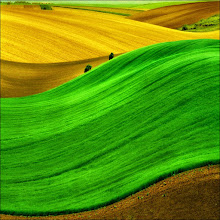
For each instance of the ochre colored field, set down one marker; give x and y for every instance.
(31, 7)
(114, 10)
(193, 194)
(177, 15)
(67, 35)
(22, 79)
(62, 35)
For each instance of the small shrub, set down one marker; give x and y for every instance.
(88, 67)
(185, 27)
(45, 7)
(111, 56)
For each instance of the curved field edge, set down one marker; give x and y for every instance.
(37, 78)
(127, 5)
(209, 24)
(142, 115)
(94, 35)
(117, 11)
(180, 189)
(165, 4)
(112, 204)
(178, 15)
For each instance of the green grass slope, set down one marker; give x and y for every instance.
(110, 132)
(164, 4)
(146, 5)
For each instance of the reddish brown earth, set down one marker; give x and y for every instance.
(176, 16)
(193, 194)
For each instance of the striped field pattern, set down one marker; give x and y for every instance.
(112, 131)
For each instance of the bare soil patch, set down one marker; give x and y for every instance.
(193, 194)
(176, 16)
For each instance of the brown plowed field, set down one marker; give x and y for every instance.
(22, 79)
(176, 16)
(63, 35)
(190, 195)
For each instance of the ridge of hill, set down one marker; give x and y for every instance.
(111, 132)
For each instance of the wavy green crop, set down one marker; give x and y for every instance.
(110, 132)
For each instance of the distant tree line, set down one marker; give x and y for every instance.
(19, 3)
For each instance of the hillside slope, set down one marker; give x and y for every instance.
(63, 35)
(193, 194)
(109, 133)
(110, 10)
(22, 79)
(177, 15)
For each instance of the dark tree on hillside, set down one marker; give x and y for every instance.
(184, 27)
(88, 67)
(111, 56)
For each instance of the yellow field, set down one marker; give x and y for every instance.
(62, 35)
(114, 10)
(22, 79)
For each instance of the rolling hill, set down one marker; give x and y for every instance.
(109, 133)
(110, 10)
(192, 194)
(22, 79)
(176, 16)
(66, 35)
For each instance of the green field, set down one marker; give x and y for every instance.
(126, 4)
(108, 4)
(109, 133)
(209, 24)
(163, 4)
